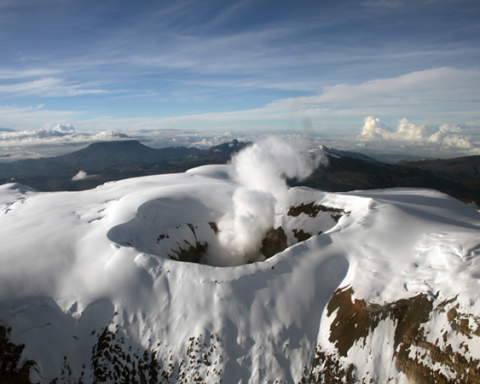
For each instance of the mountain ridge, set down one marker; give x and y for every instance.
(346, 171)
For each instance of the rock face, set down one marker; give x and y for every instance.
(274, 242)
(416, 350)
(12, 368)
(422, 356)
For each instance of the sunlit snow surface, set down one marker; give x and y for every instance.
(71, 263)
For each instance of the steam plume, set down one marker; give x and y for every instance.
(260, 171)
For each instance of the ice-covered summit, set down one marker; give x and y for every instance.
(137, 281)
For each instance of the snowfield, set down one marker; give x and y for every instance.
(92, 284)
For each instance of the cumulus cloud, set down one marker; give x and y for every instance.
(372, 129)
(406, 131)
(450, 136)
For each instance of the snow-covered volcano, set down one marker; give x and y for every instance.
(130, 282)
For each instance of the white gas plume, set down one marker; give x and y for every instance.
(261, 171)
(82, 175)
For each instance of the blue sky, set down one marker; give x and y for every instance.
(289, 66)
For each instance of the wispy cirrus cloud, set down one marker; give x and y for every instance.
(436, 97)
(432, 85)
(48, 87)
(24, 73)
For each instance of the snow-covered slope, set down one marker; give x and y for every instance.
(92, 284)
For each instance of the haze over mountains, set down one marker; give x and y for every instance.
(346, 171)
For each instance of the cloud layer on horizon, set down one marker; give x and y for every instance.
(448, 137)
(64, 138)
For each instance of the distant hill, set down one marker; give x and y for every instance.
(346, 171)
(456, 177)
(96, 155)
(112, 160)
(354, 155)
(467, 167)
(122, 152)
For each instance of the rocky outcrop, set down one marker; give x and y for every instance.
(12, 368)
(422, 356)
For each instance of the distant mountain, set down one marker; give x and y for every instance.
(456, 177)
(346, 171)
(112, 160)
(121, 152)
(467, 167)
(96, 155)
(354, 155)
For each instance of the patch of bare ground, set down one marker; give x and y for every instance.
(313, 209)
(301, 235)
(355, 320)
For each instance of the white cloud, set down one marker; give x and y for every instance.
(49, 87)
(26, 118)
(50, 141)
(82, 175)
(62, 132)
(448, 136)
(437, 95)
(18, 74)
(432, 85)
(372, 129)
(406, 131)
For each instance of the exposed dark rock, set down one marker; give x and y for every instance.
(191, 253)
(313, 209)
(214, 227)
(355, 320)
(112, 364)
(300, 235)
(162, 236)
(327, 369)
(275, 241)
(11, 371)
